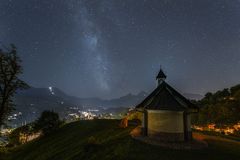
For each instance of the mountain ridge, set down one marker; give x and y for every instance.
(30, 103)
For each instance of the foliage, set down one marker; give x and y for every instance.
(48, 122)
(14, 137)
(135, 116)
(10, 70)
(221, 107)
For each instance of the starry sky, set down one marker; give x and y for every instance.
(108, 48)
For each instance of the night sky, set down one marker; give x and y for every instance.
(108, 48)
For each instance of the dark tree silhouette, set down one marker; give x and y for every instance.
(221, 107)
(10, 70)
(48, 122)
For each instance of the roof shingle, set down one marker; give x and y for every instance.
(164, 97)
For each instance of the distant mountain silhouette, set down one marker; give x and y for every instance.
(193, 96)
(33, 101)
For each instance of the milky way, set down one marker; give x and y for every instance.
(108, 48)
(97, 63)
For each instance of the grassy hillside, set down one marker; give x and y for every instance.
(71, 143)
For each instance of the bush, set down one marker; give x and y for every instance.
(14, 136)
(135, 116)
(236, 133)
(48, 122)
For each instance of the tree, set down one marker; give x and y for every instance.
(234, 89)
(10, 70)
(48, 121)
(221, 107)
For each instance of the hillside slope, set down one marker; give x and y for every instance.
(69, 143)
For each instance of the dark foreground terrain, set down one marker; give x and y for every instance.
(103, 139)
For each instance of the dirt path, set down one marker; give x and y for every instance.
(201, 136)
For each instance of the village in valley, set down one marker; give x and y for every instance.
(124, 80)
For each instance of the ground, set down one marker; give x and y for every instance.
(103, 139)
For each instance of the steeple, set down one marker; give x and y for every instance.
(160, 77)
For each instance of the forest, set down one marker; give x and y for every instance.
(221, 107)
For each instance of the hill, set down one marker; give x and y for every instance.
(53, 94)
(193, 96)
(221, 107)
(71, 142)
(30, 103)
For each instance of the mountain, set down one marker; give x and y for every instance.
(193, 96)
(124, 101)
(30, 103)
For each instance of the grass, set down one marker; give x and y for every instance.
(71, 142)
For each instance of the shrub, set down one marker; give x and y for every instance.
(135, 116)
(14, 136)
(48, 122)
(236, 133)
